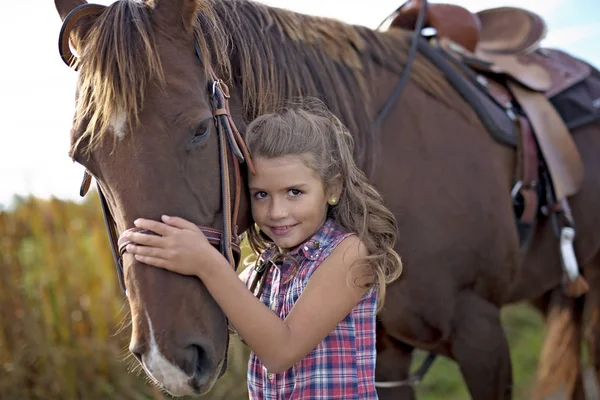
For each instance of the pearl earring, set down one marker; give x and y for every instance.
(333, 201)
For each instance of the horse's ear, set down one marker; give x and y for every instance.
(64, 7)
(177, 16)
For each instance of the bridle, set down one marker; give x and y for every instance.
(230, 142)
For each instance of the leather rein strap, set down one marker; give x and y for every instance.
(412, 54)
(230, 141)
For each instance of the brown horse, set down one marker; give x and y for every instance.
(144, 129)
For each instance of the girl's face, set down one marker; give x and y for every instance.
(289, 199)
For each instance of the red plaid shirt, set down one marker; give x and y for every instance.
(342, 366)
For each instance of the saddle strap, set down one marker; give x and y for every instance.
(528, 187)
(556, 144)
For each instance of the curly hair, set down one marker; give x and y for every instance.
(308, 127)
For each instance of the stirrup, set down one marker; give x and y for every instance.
(569, 260)
(575, 285)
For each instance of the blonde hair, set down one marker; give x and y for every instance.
(308, 127)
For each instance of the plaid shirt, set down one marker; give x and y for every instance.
(342, 366)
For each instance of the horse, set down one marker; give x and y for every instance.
(152, 125)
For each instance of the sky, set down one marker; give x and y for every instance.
(37, 89)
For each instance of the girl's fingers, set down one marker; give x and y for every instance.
(154, 226)
(145, 239)
(146, 251)
(178, 222)
(154, 261)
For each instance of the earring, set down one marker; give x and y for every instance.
(333, 201)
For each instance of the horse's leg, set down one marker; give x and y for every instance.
(479, 346)
(393, 365)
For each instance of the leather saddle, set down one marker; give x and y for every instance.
(497, 38)
(506, 30)
(500, 46)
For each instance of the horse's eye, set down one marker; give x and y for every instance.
(201, 131)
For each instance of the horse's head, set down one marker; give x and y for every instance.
(145, 129)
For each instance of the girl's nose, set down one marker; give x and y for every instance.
(278, 210)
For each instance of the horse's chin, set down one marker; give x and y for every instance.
(193, 388)
(173, 380)
(187, 386)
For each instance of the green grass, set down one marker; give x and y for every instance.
(524, 328)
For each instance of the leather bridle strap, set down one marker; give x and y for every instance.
(118, 244)
(229, 139)
(228, 136)
(112, 236)
(79, 12)
(110, 226)
(228, 241)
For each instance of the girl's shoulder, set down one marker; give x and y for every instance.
(330, 240)
(331, 229)
(327, 237)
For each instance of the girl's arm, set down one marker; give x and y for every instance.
(328, 298)
(245, 274)
(331, 293)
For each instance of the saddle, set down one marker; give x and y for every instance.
(498, 51)
(504, 30)
(501, 46)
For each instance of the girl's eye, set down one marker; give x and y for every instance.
(260, 195)
(294, 192)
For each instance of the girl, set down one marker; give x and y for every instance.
(326, 254)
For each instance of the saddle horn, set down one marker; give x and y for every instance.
(70, 21)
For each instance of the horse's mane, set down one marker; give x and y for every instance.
(272, 54)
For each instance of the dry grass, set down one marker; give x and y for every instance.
(61, 308)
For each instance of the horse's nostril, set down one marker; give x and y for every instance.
(202, 363)
(137, 352)
(202, 367)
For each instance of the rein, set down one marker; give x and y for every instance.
(420, 24)
(230, 142)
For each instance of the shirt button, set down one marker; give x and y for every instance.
(271, 376)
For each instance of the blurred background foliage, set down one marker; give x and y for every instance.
(63, 331)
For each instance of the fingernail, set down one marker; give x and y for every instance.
(165, 217)
(136, 222)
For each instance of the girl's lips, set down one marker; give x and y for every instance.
(282, 230)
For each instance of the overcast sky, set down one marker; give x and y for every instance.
(37, 89)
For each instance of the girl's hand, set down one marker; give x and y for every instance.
(181, 248)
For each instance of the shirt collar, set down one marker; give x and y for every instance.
(311, 248)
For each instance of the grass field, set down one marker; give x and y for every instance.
(61, 309)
